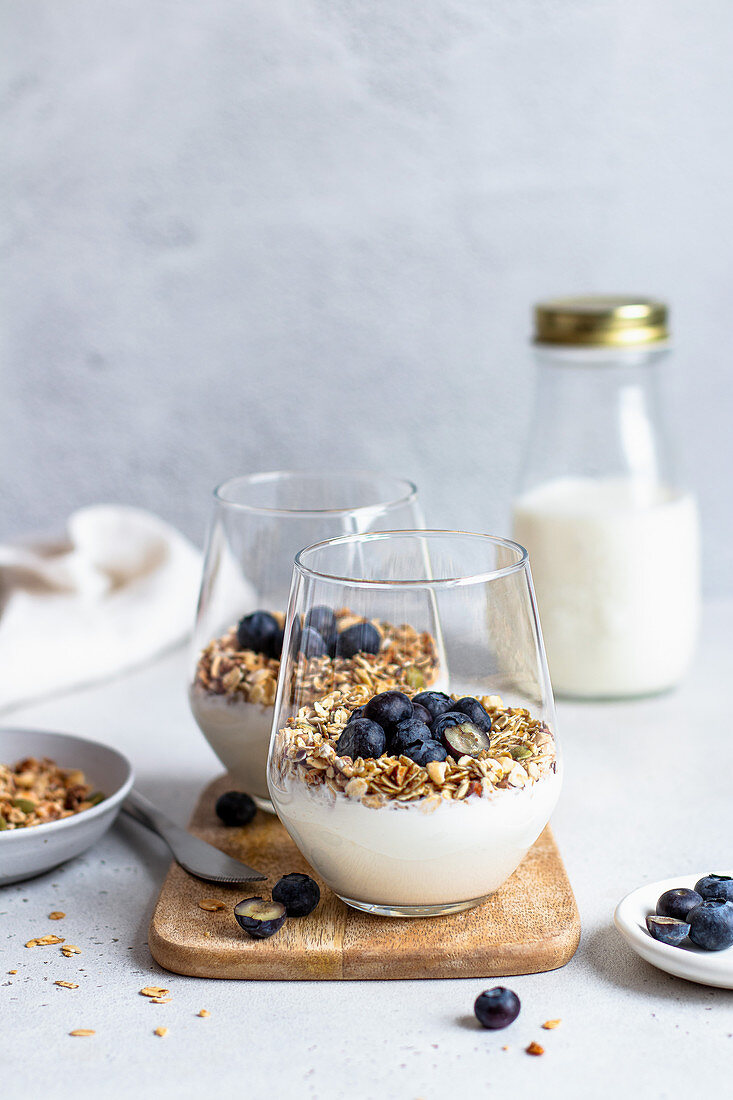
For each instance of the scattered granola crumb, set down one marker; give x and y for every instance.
(505, 1048)
(155, 991)
(68, 985)
(161, 1032)
(56, 915)
(44, 941)
(12, 972)
(203, 1012)
(535, 1048)
(550, 1025)
(160, 1000)
(211, 905)
(82, 1031)
(207, 933)
(69, 949)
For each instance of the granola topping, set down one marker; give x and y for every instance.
(35, 792)
(407, 660)
(521, 752)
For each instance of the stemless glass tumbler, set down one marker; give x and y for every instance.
(415, 776)
(259, 523)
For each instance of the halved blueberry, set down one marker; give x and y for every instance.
(715, 886)
(388, 708)
(496, 1008)
(321, 619)
(711, 924)
(359, 638)
(407, 733)
(235, 808)
(260, 918)
(667, 929)
(363, 738)
(436, 702)
(423, 752)
(459, 734)
(677, 903)
(475, 711)
(298, 893)
(255, 631)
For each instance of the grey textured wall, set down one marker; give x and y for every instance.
(255, 233)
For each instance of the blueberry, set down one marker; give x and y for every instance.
(436, 702)
(255, 631)
(677, 903)
(260, 918)
(321, 619)
(311, 643)
(422, 752)
(667, 929)
(421, 712)
(459, 734)
(407, 732)
(715, 886)
(711, 924)
(359, 638)
(496, 1008)
(389, 708)
(363, 738)
(298, 893)
(358, 713)
(470, 706)
(235, 808)
(275, 645)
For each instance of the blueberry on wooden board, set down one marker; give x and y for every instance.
(259, 918)
(298, 893)
(235, 808)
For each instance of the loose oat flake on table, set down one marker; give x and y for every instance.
(36, 792)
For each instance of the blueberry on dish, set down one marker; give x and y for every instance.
(715, 886)
(711, 924)
(667, 930)
(677, 903)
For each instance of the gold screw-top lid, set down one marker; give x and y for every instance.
(601, 321)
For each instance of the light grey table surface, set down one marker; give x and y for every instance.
(647, 795)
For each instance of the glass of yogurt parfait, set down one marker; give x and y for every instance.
(259, 523)
(417, 798)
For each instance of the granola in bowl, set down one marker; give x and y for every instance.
(37, 791)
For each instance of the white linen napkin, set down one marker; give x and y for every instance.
(119, 590)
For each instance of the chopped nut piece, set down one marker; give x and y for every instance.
(535, 1048)
(211, 905)
(203, 1012)
(56, 915)
(154, 991)
(45, 941)
(161, 1032)
(82, 1031)
(68, 985)
(549, 1025)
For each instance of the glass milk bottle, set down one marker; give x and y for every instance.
(611, 531)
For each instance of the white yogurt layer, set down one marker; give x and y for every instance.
(402, 855)
(239, 734)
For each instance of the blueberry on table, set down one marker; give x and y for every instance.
(255, 631)
(667, 929)
(321, 619)
(711, 924)
(298, 893)
(677, 903)
(388, 708)
(496, 1008)
(260, 918)
(436, 702)
(424, 752)
(311, 643)
(475, 711)
(459, 734)
(407, 732)
(715, 886)
(235, 808)
(363, 738)
(359, 638)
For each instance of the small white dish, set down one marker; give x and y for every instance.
(689, 962)
(25, 853)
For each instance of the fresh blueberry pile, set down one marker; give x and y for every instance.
(425, 728)
(318, 635)
(704, 915)
(295, 895)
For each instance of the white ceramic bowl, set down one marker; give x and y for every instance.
(28, 852)
(690, 962)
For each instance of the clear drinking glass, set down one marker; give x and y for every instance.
(422, 825)
(259, 523)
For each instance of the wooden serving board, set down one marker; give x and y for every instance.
(530, 925)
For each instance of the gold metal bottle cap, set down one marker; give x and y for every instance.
(601, 321)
